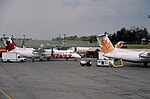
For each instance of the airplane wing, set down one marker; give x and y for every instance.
(39, 51)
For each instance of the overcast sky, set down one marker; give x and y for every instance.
(45, 19)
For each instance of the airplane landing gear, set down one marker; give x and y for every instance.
(145, 64)
(48, 58)
(32, 59)
(41, 58)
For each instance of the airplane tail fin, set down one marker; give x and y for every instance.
(105, 44)
(9, 43)
(119, 44)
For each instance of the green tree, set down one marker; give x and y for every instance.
(133, 35)
(93, 39)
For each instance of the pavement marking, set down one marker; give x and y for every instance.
(5, 94)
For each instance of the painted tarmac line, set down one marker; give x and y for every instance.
(5, 94)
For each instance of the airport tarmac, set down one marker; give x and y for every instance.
(60, 79)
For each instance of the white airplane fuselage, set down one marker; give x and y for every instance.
(127, 55)
(38, 53)
(29, 52)
(66, 54)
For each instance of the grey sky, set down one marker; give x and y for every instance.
(45, 19)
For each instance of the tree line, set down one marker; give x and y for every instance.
(133, 35)
(91, 39)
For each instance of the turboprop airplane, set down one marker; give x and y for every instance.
(26, 52)
(64, 54)
(38, 53)
(116, 53)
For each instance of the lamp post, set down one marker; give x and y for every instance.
(142, 40)
(12, 37)
(23, 42)
(4, 35)
(149, 18)
(59, 39)
(64, 43)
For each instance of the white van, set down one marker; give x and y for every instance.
(12, 57)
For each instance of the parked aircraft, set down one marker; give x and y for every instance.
(80, 49)
(116, 53)
(64, 54)
(75, 49)
(38, 53)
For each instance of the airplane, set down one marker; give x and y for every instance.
(76, 49)
(81, 49)
(38, 53)
(64, 54)
(116, 53)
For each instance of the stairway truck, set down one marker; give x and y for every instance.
(12, 57)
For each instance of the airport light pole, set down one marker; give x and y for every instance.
(4, 35)
(64, 39)
(59, 39)
(142, 40)
(23, 42)
(24, 36)
(12, 37)
(149, 18)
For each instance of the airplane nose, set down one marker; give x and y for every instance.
(77, 55)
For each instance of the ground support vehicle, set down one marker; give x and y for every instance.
(12, 57)
(85, 63)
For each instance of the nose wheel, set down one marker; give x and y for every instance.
(32, 59)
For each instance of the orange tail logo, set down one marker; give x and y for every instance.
(119, 44)
(105, 44)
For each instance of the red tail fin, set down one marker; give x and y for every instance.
(10, 45)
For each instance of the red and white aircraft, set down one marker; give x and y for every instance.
(38, 53)
(127, 55)
(79, 49)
